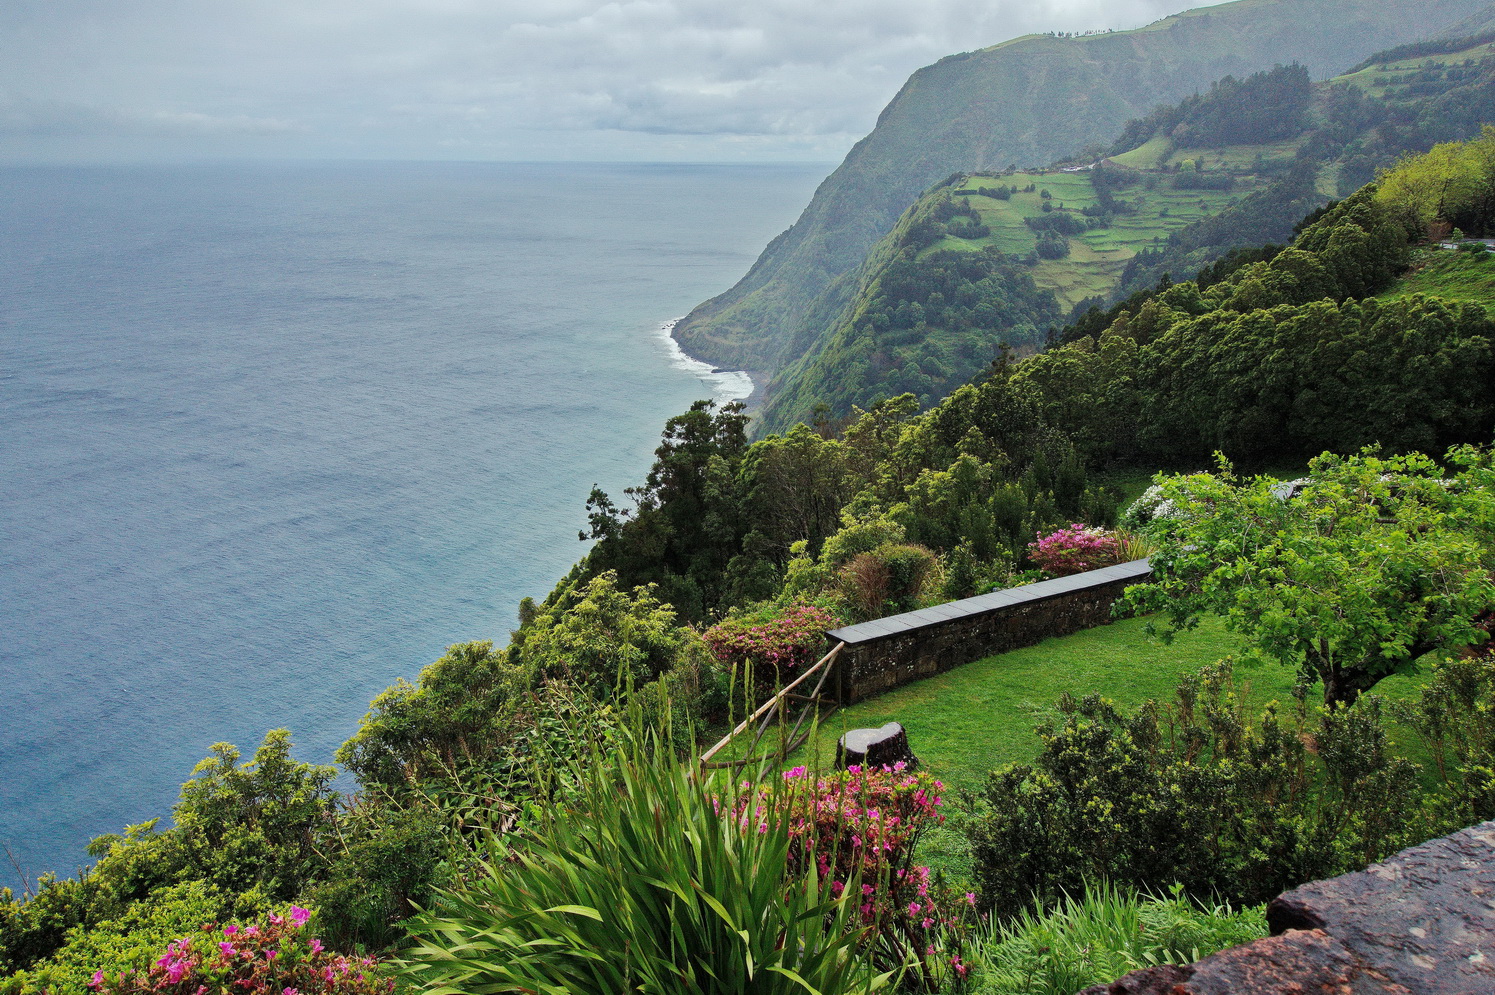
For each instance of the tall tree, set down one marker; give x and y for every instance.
(1371, 564)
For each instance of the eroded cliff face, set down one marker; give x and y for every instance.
(1024, 102)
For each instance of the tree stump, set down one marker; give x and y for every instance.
(882, 747)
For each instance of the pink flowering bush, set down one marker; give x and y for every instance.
(271, 958)
(790, 640)
(1074, 550)
(862, 825)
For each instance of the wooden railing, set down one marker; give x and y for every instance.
(776, 709)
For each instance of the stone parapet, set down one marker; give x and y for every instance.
(889, 652)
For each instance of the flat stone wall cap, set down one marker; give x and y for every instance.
(995, 599)
(863, 631)
(936, 613)
(923, 618)
(1425, 917)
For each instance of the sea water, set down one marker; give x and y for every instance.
(272, 436)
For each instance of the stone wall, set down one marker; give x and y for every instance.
(889, 652)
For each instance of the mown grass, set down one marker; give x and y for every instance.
(968, 721)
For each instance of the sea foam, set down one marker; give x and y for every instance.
(726, 385)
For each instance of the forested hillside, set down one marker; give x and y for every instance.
(1233, 167)
(1268, 360)
(1025, 102)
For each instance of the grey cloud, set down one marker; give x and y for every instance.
(406, 77)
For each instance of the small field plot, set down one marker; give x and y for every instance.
(1151, 155)
(1084, 273)
(1240, 157)
(1390, 79)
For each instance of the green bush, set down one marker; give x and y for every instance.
(1194, 793)
(602, 638)
(1456, 721)
(890, 579)
(34, 929)
(130, 941)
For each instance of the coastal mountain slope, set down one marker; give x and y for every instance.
(987, 259)
(1025, 102)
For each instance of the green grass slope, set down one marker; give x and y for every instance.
(1028, 101)
(1450, 275)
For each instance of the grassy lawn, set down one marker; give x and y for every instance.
(975, 718)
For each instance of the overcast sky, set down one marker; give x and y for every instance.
(695, 80)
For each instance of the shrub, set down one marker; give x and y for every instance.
(129, 941)
(1143, 510)
(892, 578)
(603, 638)
(1195, 793)
(274, 957)
(864, 825)
(788, 639)
(1455, 720)
(1074, 550)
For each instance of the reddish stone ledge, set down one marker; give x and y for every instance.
(1421, 923)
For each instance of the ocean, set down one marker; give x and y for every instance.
(272, 436)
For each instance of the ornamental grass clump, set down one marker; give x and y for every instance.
(275, 957)
(646, 879)
(1097, 936)
(1074, 550)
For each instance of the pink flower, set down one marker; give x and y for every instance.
(98, 980)
(230, 930)
(227, 948)
(299, 915)
(316, 945)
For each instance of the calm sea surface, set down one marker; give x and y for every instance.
(273, 436)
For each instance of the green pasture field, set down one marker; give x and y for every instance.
(1097, 257)
(1392, 72)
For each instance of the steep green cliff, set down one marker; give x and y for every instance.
(1025, 102)
(993, 258)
